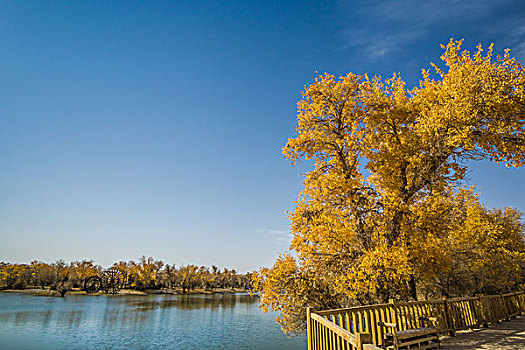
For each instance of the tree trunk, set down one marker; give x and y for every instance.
(412, 287)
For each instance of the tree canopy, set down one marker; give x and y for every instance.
(385, 212)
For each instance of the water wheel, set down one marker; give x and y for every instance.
(92, 284)
(113, 280)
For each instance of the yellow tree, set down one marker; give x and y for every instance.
(188, 273)
(42, 274)
(385, 160)
(84, 269)
(461, 248)
(144, 273)
(12, 275)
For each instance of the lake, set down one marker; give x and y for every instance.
(217, 321)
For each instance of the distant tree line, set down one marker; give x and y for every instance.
(147, 273)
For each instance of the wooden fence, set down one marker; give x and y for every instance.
(356, 327)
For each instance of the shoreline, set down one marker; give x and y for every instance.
(124, 292)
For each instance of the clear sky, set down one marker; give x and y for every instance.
(155, 128)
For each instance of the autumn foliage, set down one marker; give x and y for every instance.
(146, 273)
(385, 212)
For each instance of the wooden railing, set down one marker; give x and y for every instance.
(324, 334)
(356, 327)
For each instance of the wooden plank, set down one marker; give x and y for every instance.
(419, 340)
(319, 335)
(366, 316)
(411, 333)
(354, 322)
(374, 318)
(315, 335)
(506, 311)
(471, 311)
(416, 302)
(309, 328)
(406, 317)
(371, 347)
(415, 315)
(429, 346)
(324, 337)
(348, 323)
(411, 315)
(354, 308)
(461, 299)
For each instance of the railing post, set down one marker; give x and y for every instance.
(505, 307)
(513, 300)
(485, 311)
(448, 318)
(309, 327)
(520, 308)
(363, 338)
(393, 313)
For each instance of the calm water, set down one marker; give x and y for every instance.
(139, 322)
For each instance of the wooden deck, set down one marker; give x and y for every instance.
(358, 328)
(508, 335)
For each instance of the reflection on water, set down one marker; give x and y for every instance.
(218, 321)
(211, 301)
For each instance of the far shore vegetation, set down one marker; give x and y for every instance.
(145, 276)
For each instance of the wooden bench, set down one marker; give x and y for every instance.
(418, 338)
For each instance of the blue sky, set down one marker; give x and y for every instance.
(155, 128)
